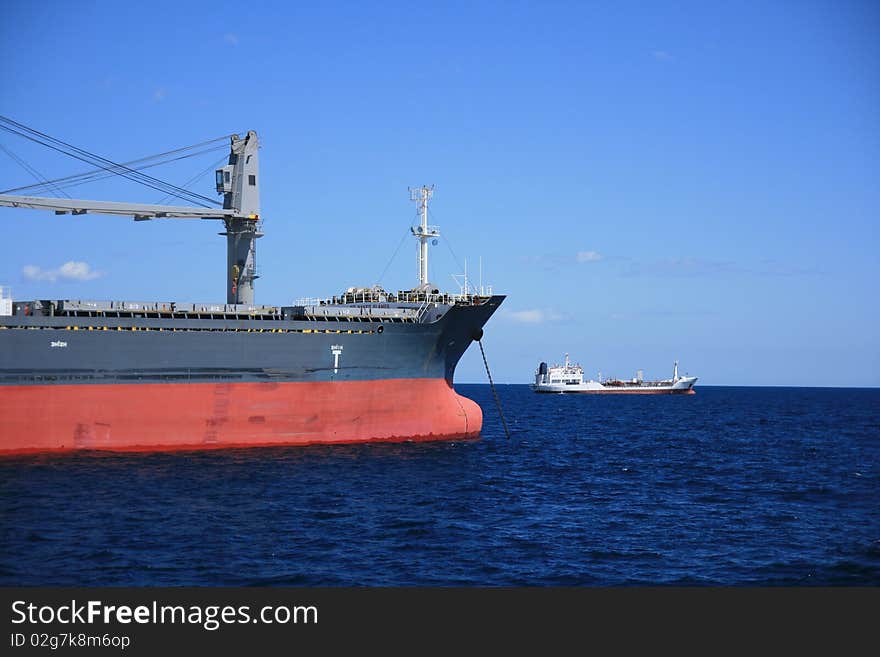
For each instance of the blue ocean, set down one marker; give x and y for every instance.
(731, 486)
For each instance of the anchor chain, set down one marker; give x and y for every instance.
(494, 392)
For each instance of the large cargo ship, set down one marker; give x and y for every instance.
(367, 365)
(569, 378)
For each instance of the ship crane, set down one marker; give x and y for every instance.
(238, 181)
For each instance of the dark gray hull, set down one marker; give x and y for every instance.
(39, 350)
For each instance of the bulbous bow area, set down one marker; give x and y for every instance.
(473, 416)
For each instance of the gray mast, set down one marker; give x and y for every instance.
(239, 183)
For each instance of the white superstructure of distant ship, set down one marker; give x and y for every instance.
(569, 378)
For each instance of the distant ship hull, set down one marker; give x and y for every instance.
(600, 389)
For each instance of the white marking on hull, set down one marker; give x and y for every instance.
(336, 350)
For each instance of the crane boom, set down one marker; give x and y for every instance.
(137, 210)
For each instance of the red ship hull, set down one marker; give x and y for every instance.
(187, 416)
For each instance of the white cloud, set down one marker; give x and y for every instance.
(533, 316)
(589, 256)
(682, 267)
(231, 38)
(78, 271)
(71, 270)
(527, 316)
(159, 95)
(34, 273)
(662, 56)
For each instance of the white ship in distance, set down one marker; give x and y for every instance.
(569, 378)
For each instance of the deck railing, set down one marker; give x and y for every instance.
(414, 297)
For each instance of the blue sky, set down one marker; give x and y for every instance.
(646, 181)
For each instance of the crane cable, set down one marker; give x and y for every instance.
(99, 174)
(393, 256)
(82, 154)
(164, 188)
(36, 174)
(197, 177)
(93, 159)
